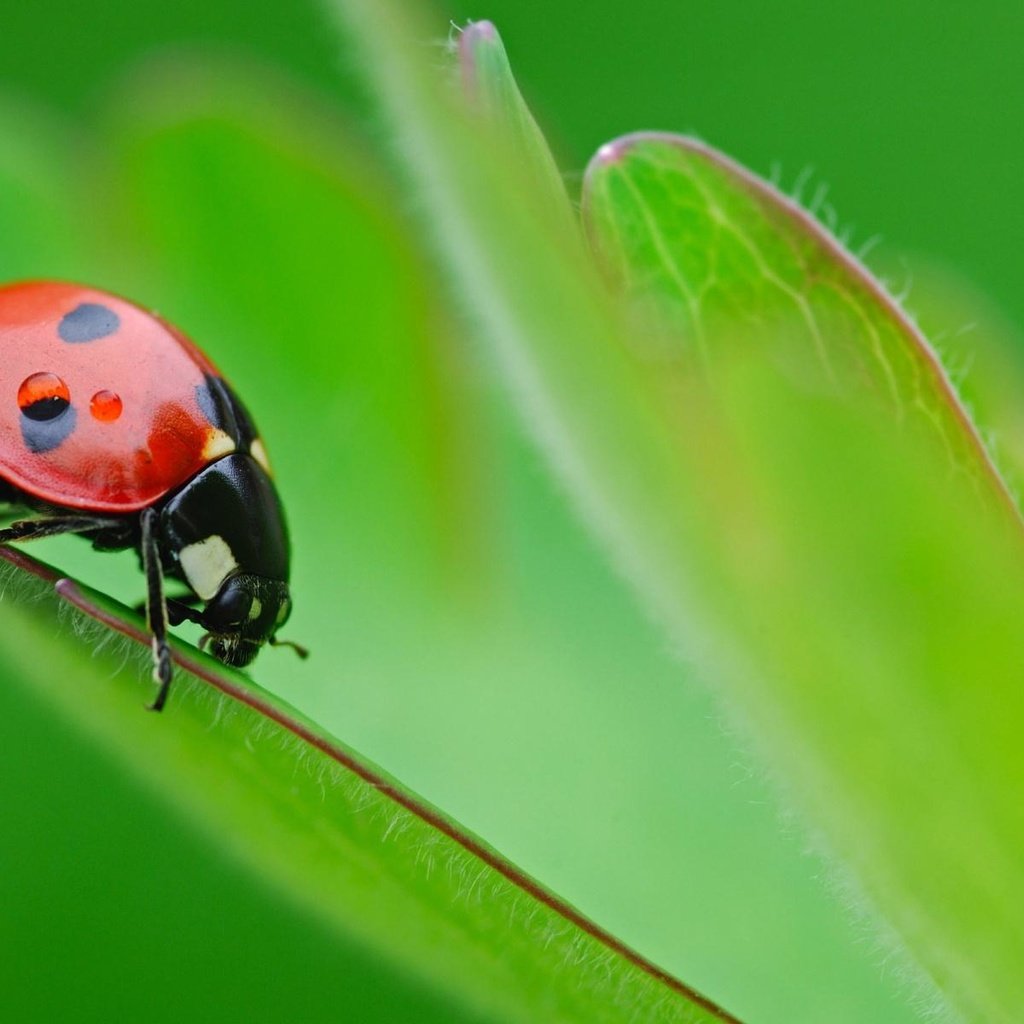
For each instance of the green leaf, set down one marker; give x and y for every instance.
(716, 252)
(865, 725)
(874, 605)
(492, 91)
(805, 547)
(350, 844)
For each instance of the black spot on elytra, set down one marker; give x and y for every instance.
(88, 322)
(43, 435)
(222, 408)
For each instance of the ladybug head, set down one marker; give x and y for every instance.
(245, 614)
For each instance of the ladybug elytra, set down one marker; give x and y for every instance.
(114, 426)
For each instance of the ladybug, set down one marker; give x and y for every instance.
(115, 426)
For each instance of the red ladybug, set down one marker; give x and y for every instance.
(113, 425)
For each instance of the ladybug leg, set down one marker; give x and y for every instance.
(178, 611)
(156, 608)
(8, 494)
(34, 529)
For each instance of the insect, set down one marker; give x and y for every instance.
(114, 426)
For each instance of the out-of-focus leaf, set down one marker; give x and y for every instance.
(733, 265)
(491, 89)
(275, 241)
(875, 605)
(769, 554)
(44, 233)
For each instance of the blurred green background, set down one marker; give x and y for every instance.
(907, 110)
(467, 635)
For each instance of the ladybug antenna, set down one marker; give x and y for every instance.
(302, 652)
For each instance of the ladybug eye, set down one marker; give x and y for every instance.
(105, 406)
(231, 608)
(235, 606)
(43, 396)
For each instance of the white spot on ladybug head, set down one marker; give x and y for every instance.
(255, 609)
(259, 453)
(206, 565)
(218, 443)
